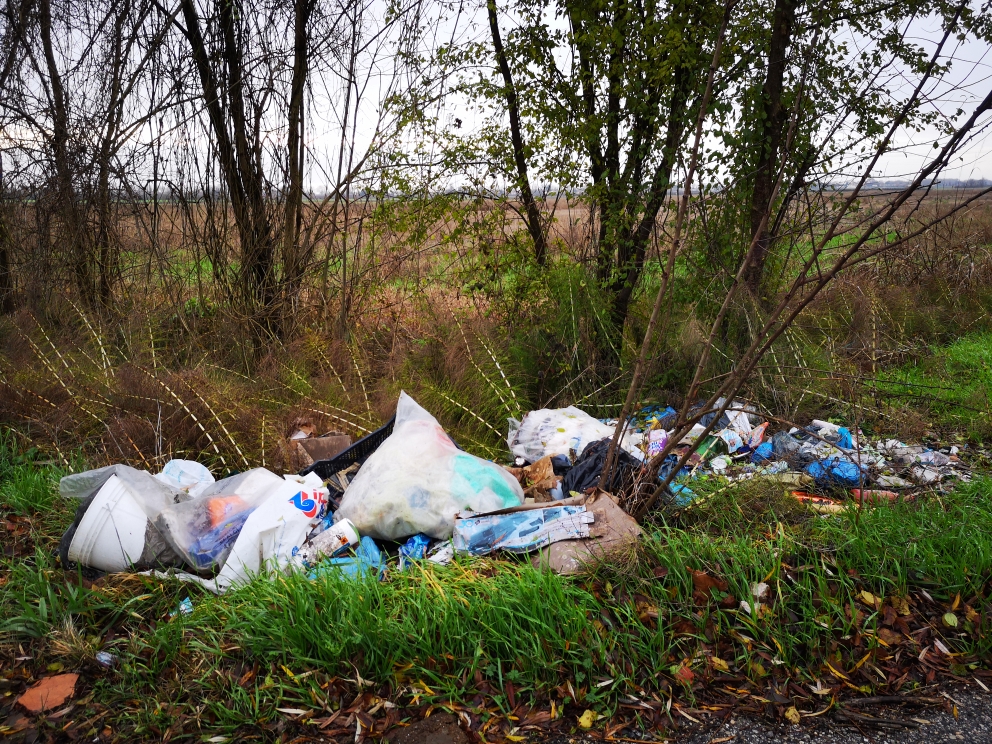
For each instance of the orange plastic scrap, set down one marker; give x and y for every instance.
(222, 507)
(818, 503)
(861, 495)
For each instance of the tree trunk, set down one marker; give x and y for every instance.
(6, 276)
(294, 196)
(17, 25)
(106, 237)
(242, 174)
(637, 241)
(532, 217)
(770, 120)
(74, 222)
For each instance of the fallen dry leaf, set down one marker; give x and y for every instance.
(48, 693)
(901, 605)
(792, 715)
(761, 591)
(703, 584)
(890, 636)
(870, 599)
(684, 675)
(646, 611)
(587, 719)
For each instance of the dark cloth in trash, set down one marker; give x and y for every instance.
(587, 469)
(785, 445)
(560, 464)
(668, 465)
(708, 417)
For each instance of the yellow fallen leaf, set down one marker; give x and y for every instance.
(869, 599)
(587, 718)
(792, 715)
(515, 738)
(901, 605)
(719, 664)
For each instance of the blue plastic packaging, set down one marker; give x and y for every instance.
(414, 549)
(683, 494)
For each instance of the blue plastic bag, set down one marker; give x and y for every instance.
(367, 559)
(763, 452)
(683, 494)
(836, 472)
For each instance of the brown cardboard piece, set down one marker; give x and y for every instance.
(612, 529)
(326, 446)
(302, 453)
(537, 479)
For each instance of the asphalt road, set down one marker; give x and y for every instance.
(929, 724)
(933, 725)
(936, 726)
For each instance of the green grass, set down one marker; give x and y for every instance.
(952, 385)
(25, 488)
(499, 629)
(944, 543)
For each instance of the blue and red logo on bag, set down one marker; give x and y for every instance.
(308, 502)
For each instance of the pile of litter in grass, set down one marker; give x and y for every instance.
(872, 600)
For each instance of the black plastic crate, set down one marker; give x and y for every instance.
(357, 453)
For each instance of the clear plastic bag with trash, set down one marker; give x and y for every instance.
(269, 535)
(560, 431)
(204, 530)
(417, 480)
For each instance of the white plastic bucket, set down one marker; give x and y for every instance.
(111, 534)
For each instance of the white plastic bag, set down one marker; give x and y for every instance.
(417, 480)
(151, 493)
(186, 475)
(275, 530)
(556, 431)
(272, 531)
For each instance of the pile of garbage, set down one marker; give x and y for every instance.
(826, 464)
(408, 492)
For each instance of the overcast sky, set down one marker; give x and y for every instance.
(968, 82)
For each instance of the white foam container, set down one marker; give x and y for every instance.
(111, 534)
